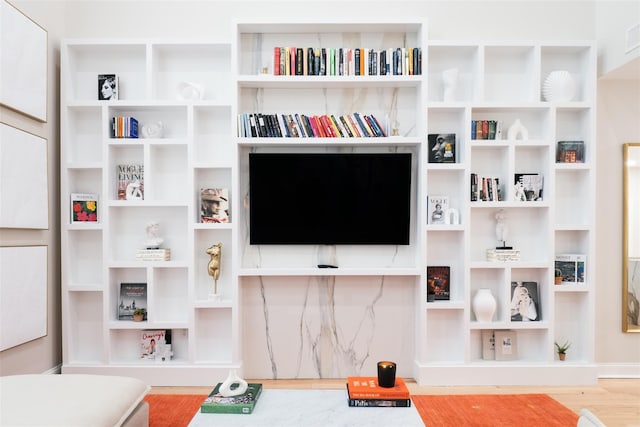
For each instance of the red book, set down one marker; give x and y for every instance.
(319, 127)
(276, 61)
(368, 388)
(328, 130)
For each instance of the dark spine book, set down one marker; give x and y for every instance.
(337, 126)
(420, 60)
(275, 126)
(341, 61)
(316, 62)
(299, 61)
(285, 125)
(312, 62)
(380, 128)
(303, 130)
(307, 126)
(474, 123)
(356, 60)
(254, 125)
(474, 187)
(323, 62)
(380, 403)
(374, 125)
(362, 126)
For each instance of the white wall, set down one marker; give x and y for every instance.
(458, 20)
(612, 38)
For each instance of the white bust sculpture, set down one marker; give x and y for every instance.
(153, 240)
(502, 231)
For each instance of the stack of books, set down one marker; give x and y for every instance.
(153, 254)
(365, 392)
(244, 403)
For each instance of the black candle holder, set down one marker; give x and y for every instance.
(386, 374)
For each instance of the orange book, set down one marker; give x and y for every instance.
(368, 388)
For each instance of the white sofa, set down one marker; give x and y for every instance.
(73, 400)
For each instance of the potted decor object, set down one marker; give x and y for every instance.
(138, 315)
(562, 349)
(558, 278)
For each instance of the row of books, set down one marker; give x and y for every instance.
(124, 127)
(297, 61)
(486, 189)
(486, 129)
(258, 125)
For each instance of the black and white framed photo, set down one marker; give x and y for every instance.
(442, 148)
(107, 87)
(525, 302)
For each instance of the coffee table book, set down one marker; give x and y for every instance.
(244, 403)
(368, 388)
(377, 403)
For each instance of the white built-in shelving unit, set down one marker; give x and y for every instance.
(201, 148)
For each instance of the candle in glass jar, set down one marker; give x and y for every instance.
(386, 374)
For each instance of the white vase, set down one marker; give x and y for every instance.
(559, 86)
(484, 305)
(226, 389)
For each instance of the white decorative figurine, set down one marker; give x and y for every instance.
(153, 130)
(502, 230)
(226, 389)
(153, 240)
(133, 191)
(518, 129)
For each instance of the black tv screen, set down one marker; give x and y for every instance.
(330, 198)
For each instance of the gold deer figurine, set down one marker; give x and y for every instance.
(215, 252)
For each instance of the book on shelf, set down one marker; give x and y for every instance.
(132, 297)
(571, 268)
(442, 147)
(130, 181)
(161, 254)
(107, 87)
(528, 187)
(525, 302)
(488, 344)
(368, 388)
(504, 255)
(570, 152)
(438, 282)
(155, 344)
(84, 207)
(436, 209)
(377, 403)
(506, 345)
(244, 403)
(124, 127)
(214, 205)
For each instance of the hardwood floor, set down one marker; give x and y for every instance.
(616, 402)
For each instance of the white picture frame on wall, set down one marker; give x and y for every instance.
(23, 63)
(23, 290)
(24, 197)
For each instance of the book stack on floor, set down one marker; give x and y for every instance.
(243, 403)
(365, 392)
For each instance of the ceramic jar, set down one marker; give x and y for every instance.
(484, 305)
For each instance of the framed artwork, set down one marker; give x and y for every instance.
(23, 290)
(631, 239)
(23, 63)
(24, 198)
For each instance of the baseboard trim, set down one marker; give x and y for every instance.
(53, 371)
(619, 370)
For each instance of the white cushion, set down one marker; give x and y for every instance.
(68, 400)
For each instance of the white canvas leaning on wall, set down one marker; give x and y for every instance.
(23, 63)
(23, 294)
(24, 201)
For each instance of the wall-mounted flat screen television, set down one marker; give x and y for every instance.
(330, 198)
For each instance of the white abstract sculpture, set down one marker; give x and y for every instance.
(449, 82)
(233, 378)
(517, 129)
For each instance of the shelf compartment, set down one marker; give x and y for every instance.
(496, 280)
(129, 223)
(203, 282)
(213, 136)
(126, 346)
(87, 60)
(170, 295)
(84, 135)
(167, 174)
(202, 64)
(466, 60)
(451, 183)
(173, 118)
(211, 178)
(575, 124)
(447, 249)
(528, 345)
(526, 232)
(572, 322)
(449, 120)
(213, 332)
(578, 60)
(83, 258)
(85, 344)
(510, 73)
(573, 194)
(537, 121)
(445, 343)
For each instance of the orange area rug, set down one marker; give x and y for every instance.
(497, 410)
(493, 410)
(172, 410)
